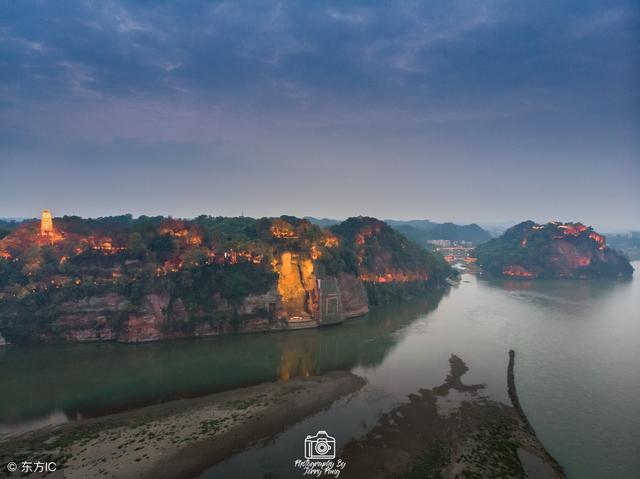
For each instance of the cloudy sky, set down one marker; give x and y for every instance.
(447, 110)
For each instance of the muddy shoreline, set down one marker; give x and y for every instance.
(178, 439)
(451, 431)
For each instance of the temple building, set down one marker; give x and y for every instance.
(48, 233)
(46, 224)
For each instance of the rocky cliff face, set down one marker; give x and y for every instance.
(89, 319)
(354, 296)
(296, 285)
(553, 250)
(111, 317)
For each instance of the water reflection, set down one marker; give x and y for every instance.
(96, 379)
(515, 285)
(298, 359)
(568, 296)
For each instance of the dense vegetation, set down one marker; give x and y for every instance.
(392, 266)
(554, 250)
(380, 247)
(200, 262)
(6, 226)
(136, 256)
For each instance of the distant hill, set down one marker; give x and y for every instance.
(552, 250)
(422, 231)
(322, 222)
(629, 244)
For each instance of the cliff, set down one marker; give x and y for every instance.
(390, 266)
(553, 250)
(159, 278)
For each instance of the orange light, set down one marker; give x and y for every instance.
(517, 271)
(600, 241)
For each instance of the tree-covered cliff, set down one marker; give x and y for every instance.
(159, 277)
(391, 265)
(553, 250)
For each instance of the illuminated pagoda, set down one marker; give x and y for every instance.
(46, 224)
(47, 231)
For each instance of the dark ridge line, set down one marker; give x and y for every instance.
(513, 395)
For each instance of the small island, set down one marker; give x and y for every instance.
(553, 250)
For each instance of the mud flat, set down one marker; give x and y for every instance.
(452, 431)
(178, 439)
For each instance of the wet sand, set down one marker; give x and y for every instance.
(451, 431)
(179, 439)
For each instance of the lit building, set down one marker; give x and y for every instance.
(46, 224)
(442, 243)
(48, 234)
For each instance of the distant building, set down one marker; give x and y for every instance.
(441, 243)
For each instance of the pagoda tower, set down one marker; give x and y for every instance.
(46, 224)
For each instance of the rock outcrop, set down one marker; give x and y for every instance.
(297, 285)
(354, 296)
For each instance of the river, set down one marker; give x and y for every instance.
(577, 370)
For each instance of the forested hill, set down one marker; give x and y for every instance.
(422, 231)
(552, 250)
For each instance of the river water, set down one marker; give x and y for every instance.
(577, 370)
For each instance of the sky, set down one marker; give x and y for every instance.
(464, 111)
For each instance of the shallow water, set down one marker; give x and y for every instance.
(577, 370)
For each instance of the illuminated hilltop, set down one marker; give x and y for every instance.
(552, 250)
(126, 279)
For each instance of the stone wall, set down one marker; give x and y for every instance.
(354, 296)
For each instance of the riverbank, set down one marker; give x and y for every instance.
(179, 438)
(451, 431)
